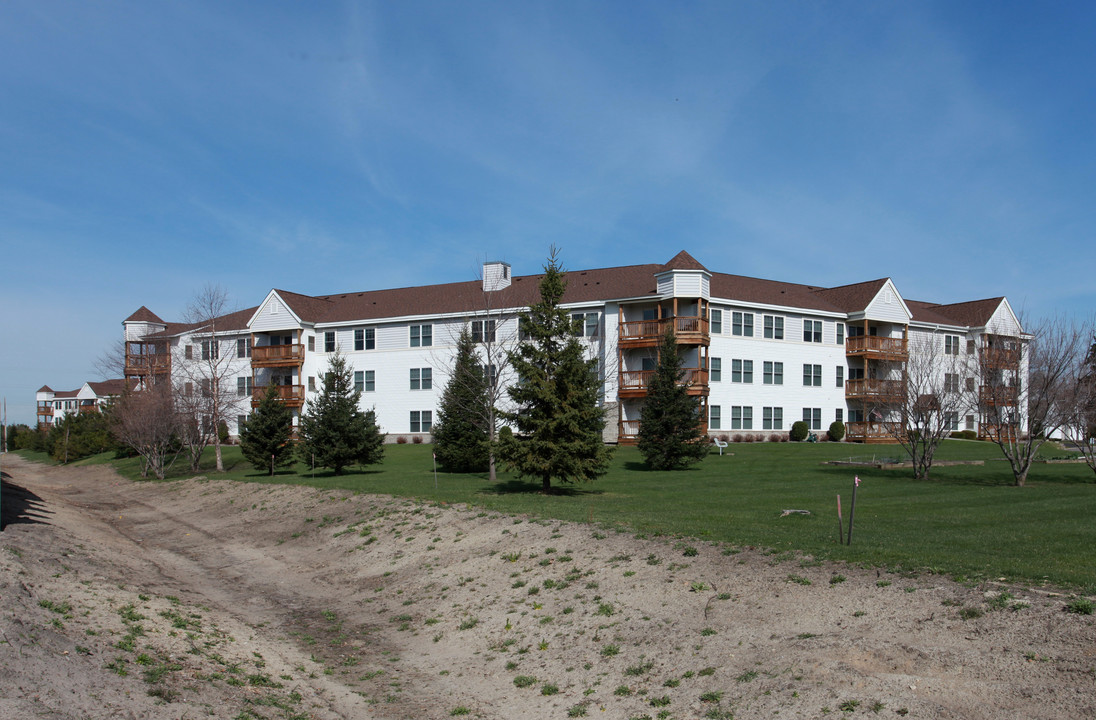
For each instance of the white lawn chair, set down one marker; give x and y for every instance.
(720, 444)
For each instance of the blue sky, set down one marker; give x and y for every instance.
(150, 148)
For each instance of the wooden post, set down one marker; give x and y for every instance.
(840, 524)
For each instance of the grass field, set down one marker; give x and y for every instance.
(966, 521)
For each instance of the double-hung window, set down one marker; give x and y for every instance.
(741, 417)
(421, 378)
(951, 344)
(717, 322)
(742, 324)
(773, 373)
(422, 335)
(812, 331)
(772, 418)
(840, 333)
(365, 380)
(421, 420)
(585, 324)
(812, 375)
(365, 339)
(774, 327)
(742, 371)
(210, 349)
(715, 366)
(483, 331)
(951, 382)
(813, 418)
(714, 417)
(243, 385)
(840, 376)
(329, 341)
(243, 347)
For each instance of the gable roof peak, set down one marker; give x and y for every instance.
(683, 261)
(143, 314)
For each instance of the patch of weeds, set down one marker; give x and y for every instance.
(605, 609)
(671, 683)
(859, 613)
(970, 613)
(642, 669)
(747, 676)
(577, 710)
(629, 573)
(468, 623)
(1080, 606)
(706, 672)
(622, 691)
(882, 583)
(459, 710)
(518, 584)
(849, 706)
(690, 551)
(118, 666)
(549, 689)
(1001, 600)
(610, 650)
(697, 587)
(876, 707)
(660, 701)
(835, 579)
(534, 590)
(711, 697)
(707, 631)
(524, 681)
(653, 559)
(798, 580)
(723, 596)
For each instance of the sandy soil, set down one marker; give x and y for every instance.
(207, 598)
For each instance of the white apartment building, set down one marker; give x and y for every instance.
(760, 354)
(54, 405)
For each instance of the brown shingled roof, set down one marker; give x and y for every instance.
(683, 261)
(115, 386)
(226, 323)
(855, 297)
(44, 388)
(975, 313)
(143, 314)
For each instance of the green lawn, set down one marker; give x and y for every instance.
(966, 520)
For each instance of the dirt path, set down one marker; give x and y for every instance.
(219, 599)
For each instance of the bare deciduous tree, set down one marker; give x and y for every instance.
(1026, 388)
(210, 373)
(936, 389)
(146, 421)
(1079, 427)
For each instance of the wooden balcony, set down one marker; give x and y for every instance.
(634, 383)
(628, 431)
(887, 391)
(45, 411)
(88, 408)
(263, 356)
(997, 395)
(291, 395)
(872, 432)
(141, 365)
(873, 347)
(689, 330)
(1007, 358)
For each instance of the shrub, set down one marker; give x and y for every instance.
(965, 435)
(401, 440)
(777, 437)
(222, 432)
(417, 439)
(799, 431)
(837, 431)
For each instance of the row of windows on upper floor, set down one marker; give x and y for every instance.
(772, 372)
(364, 381)
(419, 421)
(772, 418)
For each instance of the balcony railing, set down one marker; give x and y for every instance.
(689, 330)
(872, 432)
(146, 364)
(1003, 395)
(1000, 357)
(89, 408)
(277, 355)
(1004, 433)
(873, 346)
(291, 395)
(873, 389)
(45, 410)
(634, 383)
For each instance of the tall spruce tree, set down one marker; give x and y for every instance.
(671, 431)
(265, 436)
(559, 423)
(335, 432)
(461, 440)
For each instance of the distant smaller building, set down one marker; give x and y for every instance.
(53, 405)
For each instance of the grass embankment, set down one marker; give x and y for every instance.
(967, 520)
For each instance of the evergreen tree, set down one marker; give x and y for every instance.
(559, 423)
(671, 431)
(265, 437)
(335, 432)
(461, 442)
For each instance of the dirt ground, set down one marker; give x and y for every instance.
(206, 598)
